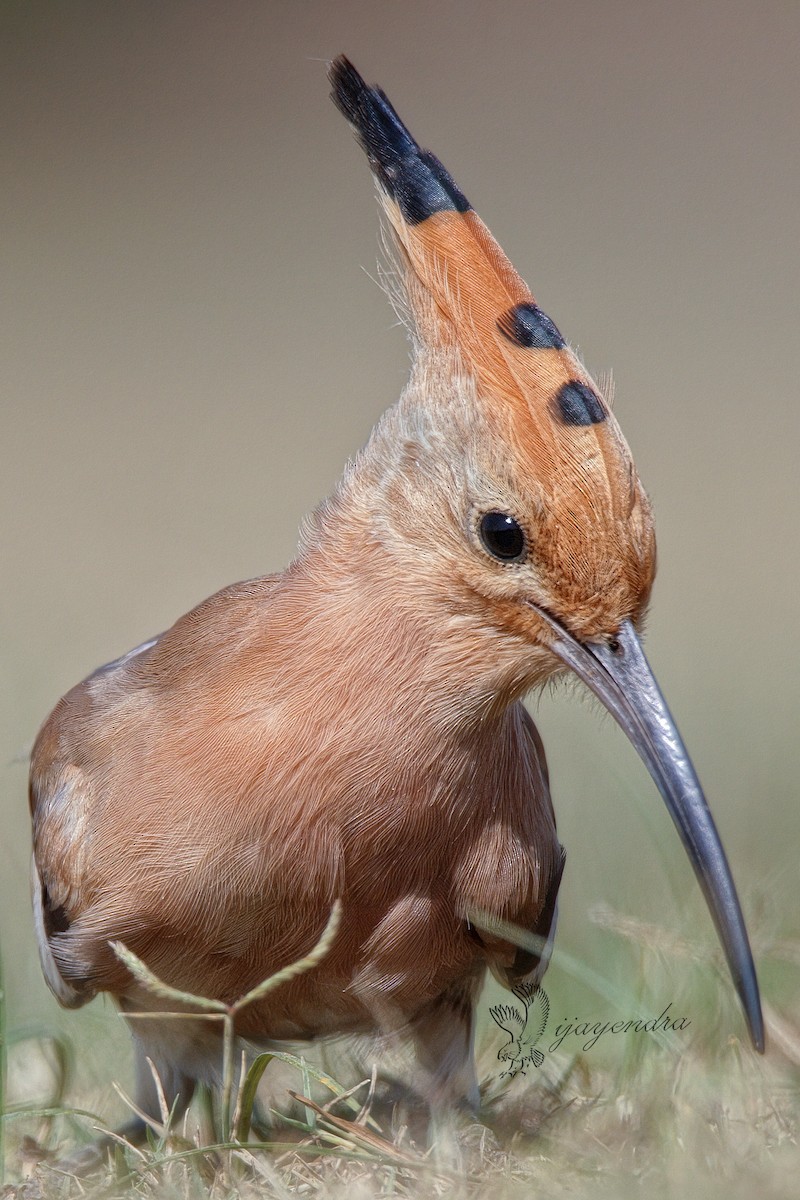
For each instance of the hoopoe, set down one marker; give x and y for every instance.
(352, 728)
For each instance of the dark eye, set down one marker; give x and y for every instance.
(502, 536)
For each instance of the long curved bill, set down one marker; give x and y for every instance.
(619, 675)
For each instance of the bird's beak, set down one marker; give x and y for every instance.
(620, 676)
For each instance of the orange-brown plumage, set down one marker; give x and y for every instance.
(352, 728)
(459, 291)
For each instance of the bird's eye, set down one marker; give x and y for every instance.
(502, 536)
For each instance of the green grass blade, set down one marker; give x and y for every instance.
(247, 1096)
(297, 968)
(157, 986)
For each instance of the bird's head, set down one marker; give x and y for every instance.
(504, 469)
(503, 476)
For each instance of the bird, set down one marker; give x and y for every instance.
(351, 731)
(520, 1049)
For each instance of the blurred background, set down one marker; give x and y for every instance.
(193, 345)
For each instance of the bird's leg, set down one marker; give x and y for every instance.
(176, 1085)
(443, 1040)
(158, 1045)
(447, 1080)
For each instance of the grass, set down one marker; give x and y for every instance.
(693, 1112)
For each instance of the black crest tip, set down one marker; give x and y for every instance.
(413, 177)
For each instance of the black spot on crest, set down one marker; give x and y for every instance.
(527, 326)
(413, 177)
(577, 404)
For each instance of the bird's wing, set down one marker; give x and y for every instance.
(530, 963)
(538, 1013)
(508, 1018)
(514, 959)
(63, 801)
(524, 991)
(138, 834)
